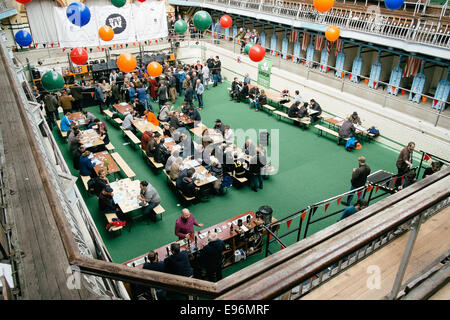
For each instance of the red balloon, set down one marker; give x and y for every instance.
(141, 0)
(226, 21)
(257, 53)
(78, 56)
(23, 1)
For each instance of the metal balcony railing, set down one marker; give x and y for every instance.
(371, 21)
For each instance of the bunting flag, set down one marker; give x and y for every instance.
(424, 99)
(52, 45)
(376, 190)
(305, 41)
(134, 44)
(293, 36)
(281, 247)
(350, 76)
(304, 61)
(314, 210)
(342, 74)
(374, 83)
(359, 194)
(326, 207)
(394, 181)
(393, 89)
(366, 81)
(319, 43)
(270, 236)
(412, 67)
(369, 188)
(63, 49)
(401, 180)
(339, 200)
(303, 215)
(403, 92)
(339, 46)
(426, 157)
(289, 223)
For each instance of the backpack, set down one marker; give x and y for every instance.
(374, 131)
(91, 185)
(351, 144)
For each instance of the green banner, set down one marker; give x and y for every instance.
(264, 70)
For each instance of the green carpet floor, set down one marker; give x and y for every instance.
(312, 168)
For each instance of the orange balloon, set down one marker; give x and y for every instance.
(323, 5)
(106, 33)
(126, 62)
(332, 33)
(154, 69)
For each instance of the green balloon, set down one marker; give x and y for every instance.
(52, 81)
(180, 26)
(248, 46)
(118, 3)
(202, 20)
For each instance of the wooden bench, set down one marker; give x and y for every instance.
(188, 199)
(304, 122)
(134, 140)
(332, 132)
(109, 147)
(159, 210)
(85, 180)
(118, 121)
(269, 108)
(110, 217)
(241, 181)
(123, 165)
(63, 133)
(108, 113)
(151, 161)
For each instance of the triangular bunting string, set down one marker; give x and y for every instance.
(303, 215)
(289, 223)
(326, 207)
(339, 200)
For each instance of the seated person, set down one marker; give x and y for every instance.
(176, 168)
(65, 122)
(74, 140)
(146, 136)
(249, 148)
(161, 154)
(167, 130)
(347, 129)
(98, 124)
(104, 135)
(253, 94)
(194, 114)
(127, 123)
(219, 127)
(185, 182)
(105, 201)
(409, 179)
(435, 167)
(150, 117)
(89, 118)
(99, 183)
(294, 110)
(228, 135)
(260, 100)
(139, 107)
(216, 170)
(354, 118)
(174, 155)
(239, 167)
(316, 107)
(359, 205)
(235, 87)
(185, 107)
(164, 112)
(243, 93)
(86, 165)
(303, 111)
(174, 122)
(76, 157)
(150, 199)
(150, 149)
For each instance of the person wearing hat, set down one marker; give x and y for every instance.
(354, 118)
(359, 178)
(105, 201)
(219, 127)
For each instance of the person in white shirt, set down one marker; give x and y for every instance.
(298, 97)
(229, 135)
(113, 77)
(127, 123)
(173, 157)
(200, 89)
(205, 72)
(164, 113)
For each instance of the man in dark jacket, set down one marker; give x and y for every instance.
(185, 182)
(211, 257)
(162, 154)
(294, 110)
(194, 114)
(77, 93)
(257, 162)
(316, 107)
(235, 87)
(51, 109)
(359, 178)
(404, 161)
(243, 93)
(189, 94)
(105, 201)
(178, 262)
(303, 111)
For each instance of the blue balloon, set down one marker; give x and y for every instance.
(23, 38)
(394, 4)
(78, 14)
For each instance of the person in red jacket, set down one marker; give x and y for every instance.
(146, 136)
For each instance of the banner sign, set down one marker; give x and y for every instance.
(131, 23)
(264, 70)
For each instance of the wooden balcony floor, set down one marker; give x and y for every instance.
(432, 242)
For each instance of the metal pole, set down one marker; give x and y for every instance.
(299, 228)
(307, 222)
(420, 165)
(406, 255)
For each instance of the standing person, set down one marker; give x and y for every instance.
(359, 178)
(218, 67)
(172, 85)
(181, 76)
(150, 199)
(106, 87)
(77, 93)
(217, 32)
(200, 89)
(257, 162)
(435, 167)
(113, 77)
(298, 97)
(141, 94)
(404, 161)
(131, 92)
(115, 93)
(99, 97)
(240, 37)
(206, 76)
(359, 205)
(162, 94)
(65, 101)
(51, 109)
(185, 224)
(189, 95)
(211, 257)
